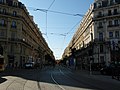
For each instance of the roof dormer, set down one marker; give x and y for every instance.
(15, 3)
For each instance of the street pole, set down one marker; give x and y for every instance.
(90, 67)
(98, 54)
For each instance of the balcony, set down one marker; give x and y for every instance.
(100, 27)
(99, 40)
(13, 39)
(114, 27)
(99, 16)
(13, 27)
(3, 25)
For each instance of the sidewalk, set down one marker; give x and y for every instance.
(96, 76)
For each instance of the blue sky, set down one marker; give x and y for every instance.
(55, 26)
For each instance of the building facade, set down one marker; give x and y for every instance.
(20, 38)
(97, 39)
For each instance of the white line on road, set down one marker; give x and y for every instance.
(61, 72)
(56, 82)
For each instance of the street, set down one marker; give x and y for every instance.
(58, 78)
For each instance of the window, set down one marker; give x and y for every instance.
(116, 23)
(99, 4)
(4, 11)
(12, 49)
(100, 14)
(2, 22)
(15, 4)
(112, 2)
(100, 25)
(110, 34)
(1, 1)
(110, 23)
(14, 13)
(13, 24)
(2, 34)
(109, 12)
(101, 48)
(13, 35)
(116, 34)
(0, 10)
(95, 5)
(102, 59)
(100, 36)
(115, 11)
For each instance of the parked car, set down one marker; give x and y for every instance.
(28, 65)
(107, 70)
(111, 69)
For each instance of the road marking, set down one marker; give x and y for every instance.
(61, 72)
(56, 82)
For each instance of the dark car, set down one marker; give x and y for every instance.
(28, 65)
(107, 70)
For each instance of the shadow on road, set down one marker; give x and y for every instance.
(2, 80)
(44, 76)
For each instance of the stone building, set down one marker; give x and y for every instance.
(20, 38)
(97, 39)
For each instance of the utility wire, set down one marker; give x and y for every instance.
(69, 33)
(51, 4)
(58, 12)
(60, 34)
(46, 10)
(64, 13)
(73, 27)
(46, 23)
(47, 19)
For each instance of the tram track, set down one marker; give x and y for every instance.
(7, 88)
(72, 76)
(56, 82)
(22, 84)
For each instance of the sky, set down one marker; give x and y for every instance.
(57, 20)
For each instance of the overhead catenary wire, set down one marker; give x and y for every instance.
(58, 34)
(58, 12)
(47, 21)
(73, 27)
(51, 4)
(46, 14)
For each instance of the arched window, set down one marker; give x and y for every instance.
(99, 4)
(15, 4)
(13, 24)
(14, 13)
(2, 22)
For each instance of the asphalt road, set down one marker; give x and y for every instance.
(58, 78)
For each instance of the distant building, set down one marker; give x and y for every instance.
(97, 39)
(20, 37)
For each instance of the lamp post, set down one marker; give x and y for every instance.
(98, 53)
(90, 67)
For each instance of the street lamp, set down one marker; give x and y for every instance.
(90, 67)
